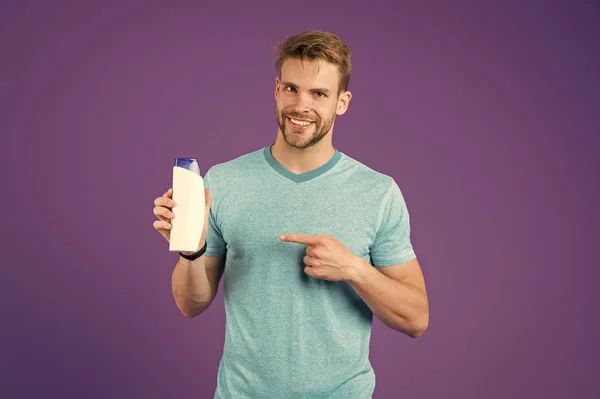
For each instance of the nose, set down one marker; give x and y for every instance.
(303, 102)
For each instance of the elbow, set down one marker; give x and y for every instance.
(188, 314)
(189, 308)
(191, 312)
(418, 327)
(416, 332)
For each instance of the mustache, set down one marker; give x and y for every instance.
(298, 115)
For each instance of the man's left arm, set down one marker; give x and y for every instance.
(394, 289)
(395, 294)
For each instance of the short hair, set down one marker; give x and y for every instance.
(315, 44)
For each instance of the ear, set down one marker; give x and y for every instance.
(343, 102)
(277, 84)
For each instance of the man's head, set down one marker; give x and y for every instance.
(312, 86)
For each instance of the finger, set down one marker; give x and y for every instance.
(168, 193)
(164, 201)
(161, 225)
(163, 213)
(311, 251)
(311, 271)
(300, 239)
(310, 261)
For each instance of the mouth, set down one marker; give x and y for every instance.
(299, 123)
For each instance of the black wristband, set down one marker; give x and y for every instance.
(196, 255)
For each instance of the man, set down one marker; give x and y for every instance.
(310, 244)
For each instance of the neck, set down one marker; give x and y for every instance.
(302, 160)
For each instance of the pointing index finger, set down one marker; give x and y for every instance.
(300, 239)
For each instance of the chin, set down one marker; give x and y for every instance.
(300, 141)
(295, 142)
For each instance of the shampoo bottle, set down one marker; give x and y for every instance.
(188, 194)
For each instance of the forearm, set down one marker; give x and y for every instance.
(398, 305)
(191, 288)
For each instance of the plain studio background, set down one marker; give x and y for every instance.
(486, 113)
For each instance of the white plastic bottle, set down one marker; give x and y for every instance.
(188, 194)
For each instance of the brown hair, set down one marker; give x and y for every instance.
(315, 44)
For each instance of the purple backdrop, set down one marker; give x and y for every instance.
(486, 114)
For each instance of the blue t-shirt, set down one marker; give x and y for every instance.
(289, 335)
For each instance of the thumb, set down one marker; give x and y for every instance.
(207, 198)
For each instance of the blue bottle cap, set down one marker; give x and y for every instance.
(190, 164)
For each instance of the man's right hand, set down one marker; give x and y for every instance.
(163, 211)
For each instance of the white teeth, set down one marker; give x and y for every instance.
(301, 123)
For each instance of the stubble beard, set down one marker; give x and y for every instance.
(299, 140)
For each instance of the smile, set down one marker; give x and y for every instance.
(299, 122)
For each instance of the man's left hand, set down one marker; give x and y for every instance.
(326, 257)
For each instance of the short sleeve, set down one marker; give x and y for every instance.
(392, 244)
(215, 244)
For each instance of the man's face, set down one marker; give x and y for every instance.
(308, 100)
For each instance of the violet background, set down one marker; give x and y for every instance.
(486, 113)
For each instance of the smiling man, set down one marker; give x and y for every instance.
(310, 244)
(307, 101)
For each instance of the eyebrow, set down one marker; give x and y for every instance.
(322, 90)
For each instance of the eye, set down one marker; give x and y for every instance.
(321, 94)
(290, 88)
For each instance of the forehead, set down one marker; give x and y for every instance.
(310, 73)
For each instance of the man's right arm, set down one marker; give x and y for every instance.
(195, 283)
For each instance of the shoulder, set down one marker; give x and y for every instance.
(239, 167)
(377, 183)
